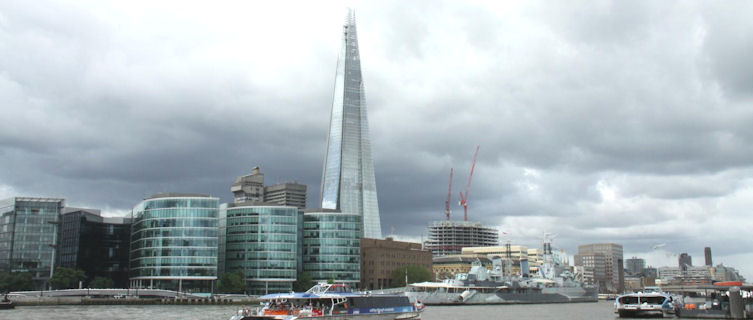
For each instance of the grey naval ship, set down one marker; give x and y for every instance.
(552, 284)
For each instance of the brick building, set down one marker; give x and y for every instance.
(380, 257)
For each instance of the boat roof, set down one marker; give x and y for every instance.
(644, 294)
(305, 295)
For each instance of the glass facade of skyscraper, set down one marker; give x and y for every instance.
(174, 242)
(95, 244)
(348, 182)
(331, 246)
(28, 228)
(262, 242)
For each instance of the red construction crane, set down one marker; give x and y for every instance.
(464, 198)
(447, 203)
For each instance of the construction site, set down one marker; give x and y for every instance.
(450, 237)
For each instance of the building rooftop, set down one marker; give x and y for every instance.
(176, 195)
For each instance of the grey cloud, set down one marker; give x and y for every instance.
(105, 108)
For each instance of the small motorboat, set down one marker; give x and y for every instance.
(7, 303)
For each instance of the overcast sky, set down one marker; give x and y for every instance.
(626, 121)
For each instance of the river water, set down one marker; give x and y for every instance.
(571, 311)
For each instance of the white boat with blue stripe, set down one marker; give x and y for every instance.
(331, 301)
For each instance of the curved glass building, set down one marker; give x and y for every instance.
(174, 239)
(261, 241)
(331, 246)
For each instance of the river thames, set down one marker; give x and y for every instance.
(572, 311)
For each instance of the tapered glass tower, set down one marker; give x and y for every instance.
(348, 177)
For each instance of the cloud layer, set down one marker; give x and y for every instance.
(625, 122)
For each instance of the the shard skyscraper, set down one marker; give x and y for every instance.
(348, 182)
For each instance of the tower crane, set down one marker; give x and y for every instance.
(464, 198)
(447, 202)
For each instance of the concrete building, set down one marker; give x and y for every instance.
(95, 244)
(635, 266)
(28, 234)
(688, 276)
(250, 188)
(379, 258)
(724, 273)
(593, 267)
(446, 267)
(611, 253)
(707, 255)
(290, 194)
(174, 242)
(348, 180)
(684, 261)
(450, 237)
(262, 242)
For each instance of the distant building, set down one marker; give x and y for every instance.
(684, 261)
(634, 283)
(724, 273)
(262, 242)
(446, 267)
(28, 231)
(174, 242)
(535, 259)
(250, 188)
(286, 194)
(707, 255)
(450, 237)
(95, 244)
(650, 272)
(379, 258)
(607, 257)
(331, 245)
(518, 256)
(635, 266)
(688, 276)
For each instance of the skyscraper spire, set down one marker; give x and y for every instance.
(348, 182)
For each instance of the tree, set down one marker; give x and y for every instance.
(232, 282)
(67, 278)
(16, 281)
(102, 283)
(415, 274)
(303, 283)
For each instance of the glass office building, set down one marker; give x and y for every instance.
(28, 230)
(261, 241)
(98, 245)
(331, 246)
(174, 242)
(348, 182)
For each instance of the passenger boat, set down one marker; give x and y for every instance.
(652, 302)
(331, 301)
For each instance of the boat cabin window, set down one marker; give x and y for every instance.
(653, 300)
(629, 300)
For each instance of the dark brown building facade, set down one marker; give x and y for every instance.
(380, 257)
